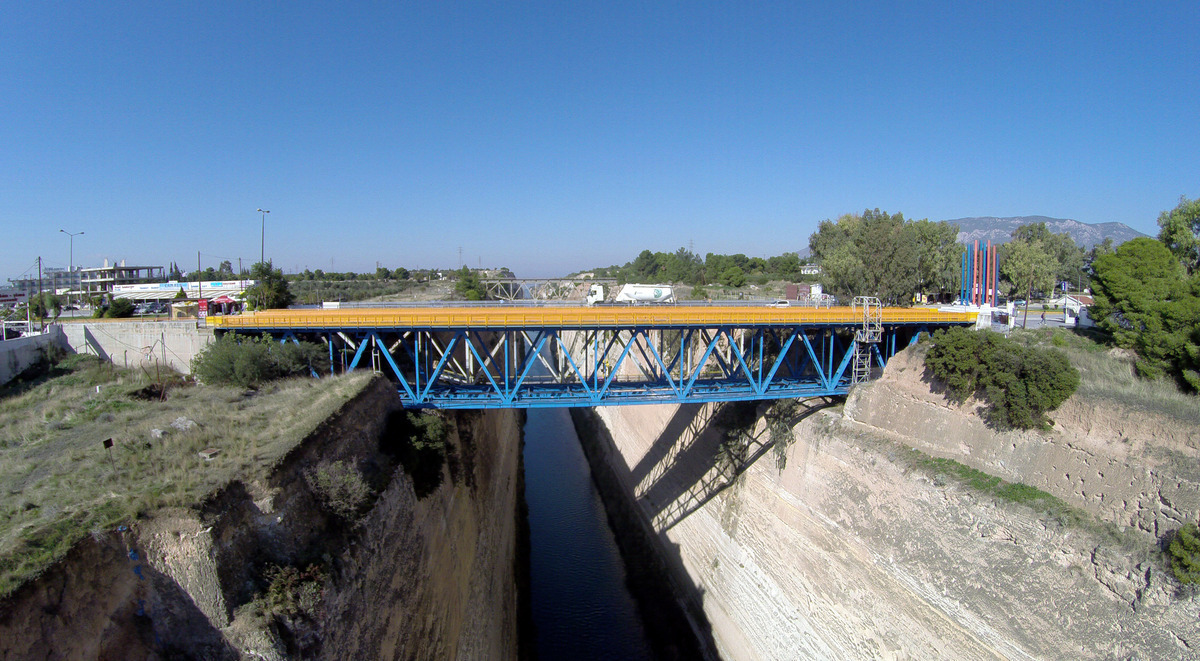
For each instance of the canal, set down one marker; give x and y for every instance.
(580, 605)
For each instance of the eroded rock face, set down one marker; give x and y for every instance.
(417, 577)
(1130, 467)
(848, 552)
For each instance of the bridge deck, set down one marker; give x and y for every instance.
(521, 316)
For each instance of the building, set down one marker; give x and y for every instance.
(102, 279)
(55, 280)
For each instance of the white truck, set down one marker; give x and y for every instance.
(595, 294)
(646, 294)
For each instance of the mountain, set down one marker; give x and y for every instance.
(1000, 230)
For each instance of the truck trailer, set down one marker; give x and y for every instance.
(646, 294)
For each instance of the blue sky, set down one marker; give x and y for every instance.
(548, 137)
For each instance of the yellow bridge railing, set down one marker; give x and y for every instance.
(517, 316)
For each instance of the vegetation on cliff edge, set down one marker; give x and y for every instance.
(1020, 383)
(59, 483)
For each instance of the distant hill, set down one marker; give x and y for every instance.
(1000, 230)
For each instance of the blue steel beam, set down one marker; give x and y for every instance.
(482, 368)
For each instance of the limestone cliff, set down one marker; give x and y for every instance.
(426, 571)
(839, 546)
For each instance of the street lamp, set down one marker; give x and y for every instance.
(263, 241)
(71, 263)
(72, 235)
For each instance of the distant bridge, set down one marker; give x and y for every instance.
(542, 289)
(525, 356)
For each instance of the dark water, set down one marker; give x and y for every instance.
(581, 609)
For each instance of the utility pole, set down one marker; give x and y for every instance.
(262, 246)
(460, 263)
(41, 302)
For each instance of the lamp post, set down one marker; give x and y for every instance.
(262, 252)
(71, 263)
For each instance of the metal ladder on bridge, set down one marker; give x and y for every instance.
(866, 337)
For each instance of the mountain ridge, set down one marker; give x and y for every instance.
(1000, 229)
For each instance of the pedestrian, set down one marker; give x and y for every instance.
(1043, 317)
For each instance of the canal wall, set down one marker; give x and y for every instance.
(429, 570)
(139, 344)
(1126, 465)
(19, 354)
(814, 534)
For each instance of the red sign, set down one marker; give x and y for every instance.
(203, 308)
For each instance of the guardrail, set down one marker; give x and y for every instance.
(507, 317)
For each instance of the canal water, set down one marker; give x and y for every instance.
(581, 608)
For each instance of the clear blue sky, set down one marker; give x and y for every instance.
(548, 137)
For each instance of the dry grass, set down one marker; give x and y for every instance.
(57, 482)
(1107, 374)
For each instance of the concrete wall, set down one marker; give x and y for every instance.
(140, 343)
(20, 354)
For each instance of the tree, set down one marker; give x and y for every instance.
(45, 305)
(270, 289)
(939, 256)
(1181, 232)
(645, 267)
(1144, 300)
(468, 286)
(733, 277)
(881, 254)
(1029, 264)
(225, 271)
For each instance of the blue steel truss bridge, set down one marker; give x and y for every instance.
(524, 356)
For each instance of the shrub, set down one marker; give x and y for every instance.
(340, 487)
(418, 442)
(1020, 384)
(1184, 552)
(249, 362)
(293, 592)
(120, 308)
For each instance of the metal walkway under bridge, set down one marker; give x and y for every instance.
(517, 356)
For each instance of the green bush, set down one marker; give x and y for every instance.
(249, 361)
(1184, 552)
(119, 309)
(1019, 383)
(294, 592)
(340, 486)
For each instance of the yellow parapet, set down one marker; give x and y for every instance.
(603, 316)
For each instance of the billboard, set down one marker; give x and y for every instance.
(187, 287)
(12, 297)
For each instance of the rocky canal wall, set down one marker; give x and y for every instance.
(830, 541)
(426, 570)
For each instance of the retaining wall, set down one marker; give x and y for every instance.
(18, 355)
(140, 343)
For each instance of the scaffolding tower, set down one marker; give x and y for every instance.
(867, 336)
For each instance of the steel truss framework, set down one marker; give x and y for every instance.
(467, 368)
(515, 289)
